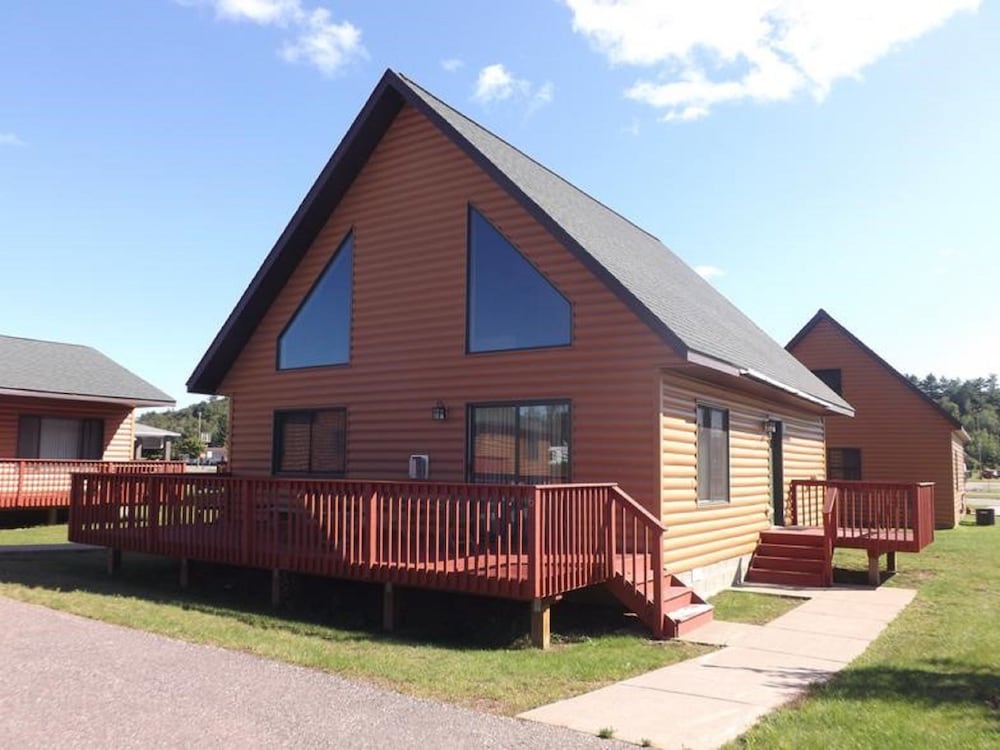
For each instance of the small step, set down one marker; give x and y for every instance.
(677, 595)
(684, 620)
(689, 612)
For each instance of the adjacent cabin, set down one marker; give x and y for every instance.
(457, 370)
(63, 407)
(898, 434)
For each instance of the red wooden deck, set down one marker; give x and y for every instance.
(45, 483)
(879, 518)
(876, 516)
(519, 542)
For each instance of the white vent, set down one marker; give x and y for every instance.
(420, 466)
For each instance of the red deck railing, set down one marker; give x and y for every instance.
(512, 541)
(45, 483)
(876, 516)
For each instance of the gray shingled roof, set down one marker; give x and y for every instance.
(52, 368)
(691, 315)
(703, 320)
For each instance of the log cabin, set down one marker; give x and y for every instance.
(63, 408)
(898, 433)
(457, 370)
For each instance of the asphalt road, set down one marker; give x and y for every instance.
(69, 682)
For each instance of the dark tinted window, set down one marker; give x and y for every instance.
(511, 305)
(311, 442)
(843, 463)
(713, 454)
(320, 331)
(832, 379)
(58, 438)
(519, 443)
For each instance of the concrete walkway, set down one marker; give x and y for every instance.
(707, 701)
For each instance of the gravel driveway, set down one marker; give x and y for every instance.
(70, 682)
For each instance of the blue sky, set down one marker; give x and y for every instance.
(843, 155)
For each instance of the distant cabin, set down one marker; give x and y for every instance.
(898, 433)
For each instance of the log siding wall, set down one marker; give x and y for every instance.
(408, 211)
(703, 534)
(902, 437)
(119, 422)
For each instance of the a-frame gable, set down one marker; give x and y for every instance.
(822, 319)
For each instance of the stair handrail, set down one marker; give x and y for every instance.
(629, 505)
(829, 532)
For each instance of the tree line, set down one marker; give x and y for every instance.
(200, 425)
(976, 404)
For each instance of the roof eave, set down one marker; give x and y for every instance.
(704, 360)
(134, 402)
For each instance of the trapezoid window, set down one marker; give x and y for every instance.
(319, 332)
(511, 304)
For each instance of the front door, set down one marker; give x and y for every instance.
(777, 474)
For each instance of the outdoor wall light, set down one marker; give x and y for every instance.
(439, 412)
(770, 426)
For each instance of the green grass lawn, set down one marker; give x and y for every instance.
(34, 535)
(932, 680)
(465, 650)
(752, 608)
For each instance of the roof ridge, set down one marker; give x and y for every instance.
(584, 193)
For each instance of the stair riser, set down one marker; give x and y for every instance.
(786, 550)
(784, 578)
(796, 540)
(787, 564)
(676, 629)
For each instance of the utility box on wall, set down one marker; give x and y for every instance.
(420, 466)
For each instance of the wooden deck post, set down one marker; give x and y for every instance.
(114, 560)
(890, 561)
(184, 573)
(873, 576)
(541, 636)
(388, 608)
(52, 517)
(275, 587)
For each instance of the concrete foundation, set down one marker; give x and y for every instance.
(709, 580)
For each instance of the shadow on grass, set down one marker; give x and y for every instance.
(942, 681)
(312, 605)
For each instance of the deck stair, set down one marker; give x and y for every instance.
(790, 557)
(683, 610)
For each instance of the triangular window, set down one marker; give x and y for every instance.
(320, 331)
(511, 304)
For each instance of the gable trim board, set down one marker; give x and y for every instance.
(690, 316)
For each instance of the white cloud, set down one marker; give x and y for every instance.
(327, 45)
(316, 39)
(452, 64)
(11, 139)
(709, 272)
(495, 84)
(707, 52)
